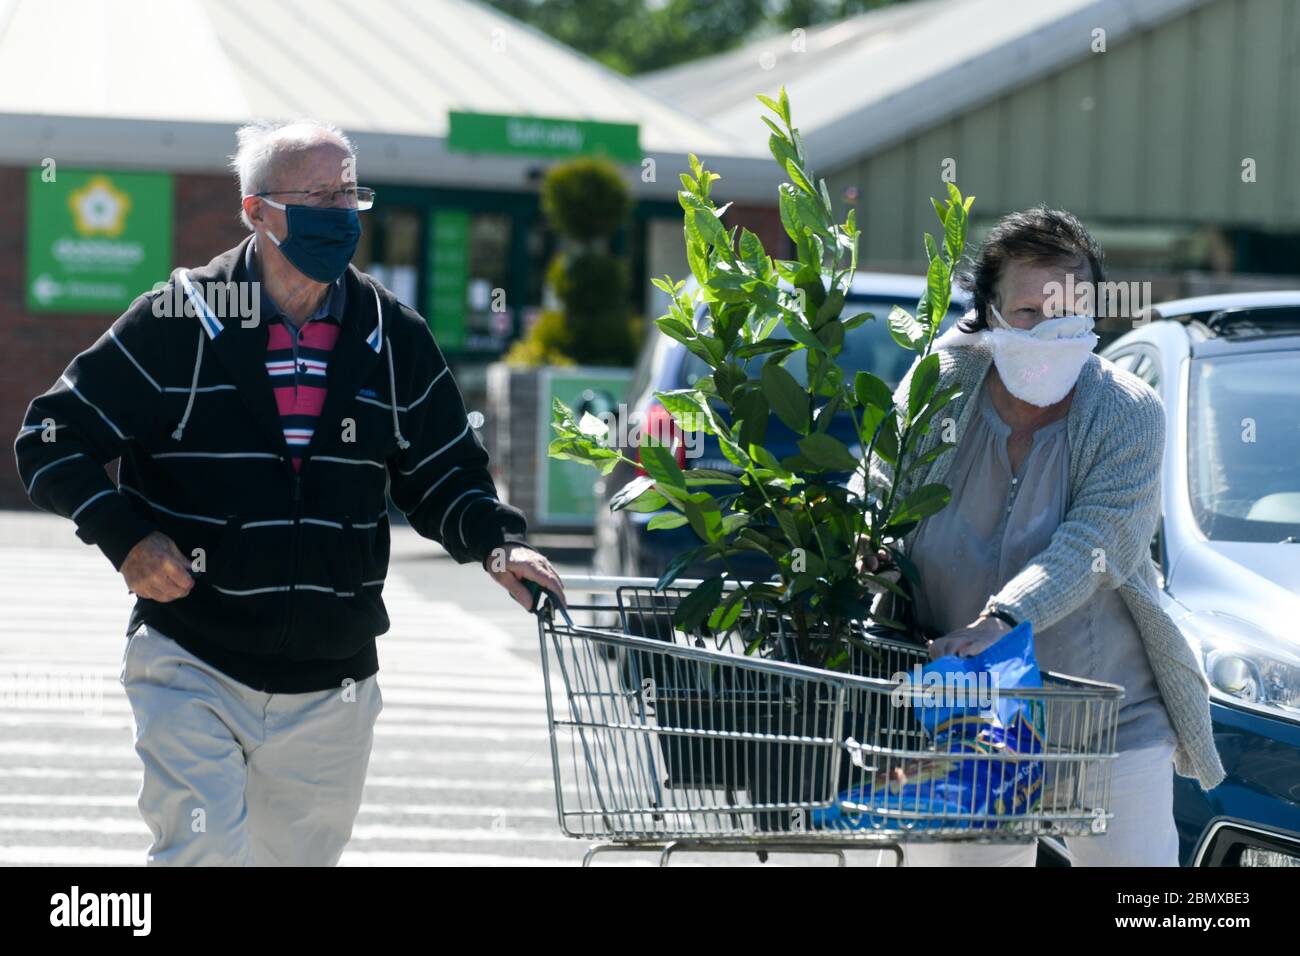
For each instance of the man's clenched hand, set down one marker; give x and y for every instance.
(156, 569)
(517, 563)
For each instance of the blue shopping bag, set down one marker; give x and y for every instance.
(945, 786)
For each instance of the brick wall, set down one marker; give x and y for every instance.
(764, 222)
(35, 349)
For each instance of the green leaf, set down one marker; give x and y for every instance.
(710, 229)
(734, 522)
(938, 291)
(771, 104)
(594, 428)
(921, 503)
(724, 616)
(906, 566)
(812, 215)
(763, 347)
(698, 605)
(872, 391)
(680, 563)
(929, 456)
(781, 148)
(765, 459)
(669, 519)
(632, 491)
(703, 477)
(828, 452)
(661, 465)
(831, 308)
(887, 584)
(649, 502)
(801, 180)
(790, 525)
(887, 438)
(752, 251)
(753, 410)
(832, 337)
(937, 403)
(788, 399)
(804, 335)
(924, 379)
(573, 447)
(674, 329)
(853, 321)
(939, 210)
(705, 515)
(906, 331)
(562, 415)
(789, 213)
(954, 232)
(687, 409)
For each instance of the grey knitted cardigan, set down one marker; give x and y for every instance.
(1116, 429)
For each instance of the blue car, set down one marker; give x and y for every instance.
(1228, 547)
(624, 547)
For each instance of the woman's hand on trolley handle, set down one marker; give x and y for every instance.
(980, 634)
(520, 563)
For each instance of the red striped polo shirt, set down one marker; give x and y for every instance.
(297, 359)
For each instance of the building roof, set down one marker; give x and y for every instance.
(171, 77)
(861, 84)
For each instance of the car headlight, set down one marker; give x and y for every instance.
(1247, 667)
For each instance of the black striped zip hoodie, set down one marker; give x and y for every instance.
(289, 568)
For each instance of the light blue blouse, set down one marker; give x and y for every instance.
(995, 523)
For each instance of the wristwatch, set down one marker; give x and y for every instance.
(992, 610)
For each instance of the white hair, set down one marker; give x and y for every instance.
(266, 146)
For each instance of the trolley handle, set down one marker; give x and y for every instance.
(545, 599)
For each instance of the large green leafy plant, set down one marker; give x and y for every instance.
(797, 510)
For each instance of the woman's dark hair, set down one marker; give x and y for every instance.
(1034, 235)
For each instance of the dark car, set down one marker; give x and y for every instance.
(624, 546)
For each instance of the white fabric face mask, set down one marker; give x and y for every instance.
(1040, 365)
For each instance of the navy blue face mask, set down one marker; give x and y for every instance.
(321, 239)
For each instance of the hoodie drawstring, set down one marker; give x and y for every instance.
(402, 443)
(194, 381)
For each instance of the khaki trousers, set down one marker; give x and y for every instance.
(237, 777)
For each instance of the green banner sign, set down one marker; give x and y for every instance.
(542, 136)
(565, 493)
(96, 240)
(448, 276)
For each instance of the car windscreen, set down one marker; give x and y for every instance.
(1243, 449)
(869, 347)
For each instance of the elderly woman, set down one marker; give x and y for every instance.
(1055, 497)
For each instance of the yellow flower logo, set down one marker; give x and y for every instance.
(99, 207)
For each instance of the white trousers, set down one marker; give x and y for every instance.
(237, 777)
(1141, 832)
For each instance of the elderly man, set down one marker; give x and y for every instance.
(263, 407)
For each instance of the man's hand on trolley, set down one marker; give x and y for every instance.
(515, 563)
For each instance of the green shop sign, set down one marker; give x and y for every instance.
(448, 276)
(542, 136)
(96, 240)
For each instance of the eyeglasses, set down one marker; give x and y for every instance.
(350, 197)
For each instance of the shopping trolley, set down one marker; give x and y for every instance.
(664, 740)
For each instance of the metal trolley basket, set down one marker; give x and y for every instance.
(666, 741)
